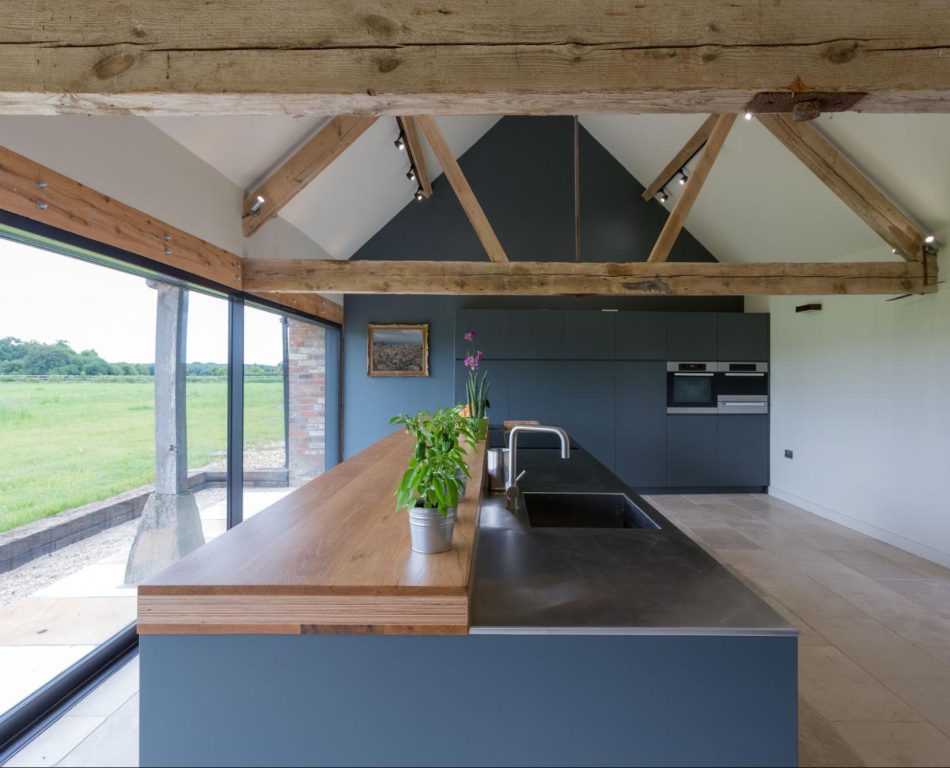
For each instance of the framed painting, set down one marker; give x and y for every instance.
(397, 349)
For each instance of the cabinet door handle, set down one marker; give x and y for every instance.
(693, 374)
(745, 374)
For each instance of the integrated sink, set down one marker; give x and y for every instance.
(584, 510)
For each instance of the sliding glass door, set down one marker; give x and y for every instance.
(114, 436)
(285, 405)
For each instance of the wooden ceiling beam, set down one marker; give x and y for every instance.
(572, 278)
(450, 167)
(456, 56)
(684, 203)
(40, 194)
(414, 149)
(308, 162)
(690, 148)
(854, 189)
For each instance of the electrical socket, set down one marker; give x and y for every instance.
(789, 454)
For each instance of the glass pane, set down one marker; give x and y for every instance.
(284, 406)
(97, 368)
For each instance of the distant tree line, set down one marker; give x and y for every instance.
(34, 358)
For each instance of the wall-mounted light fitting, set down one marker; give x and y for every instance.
(808, 308)
(400, 143)
(258, 204)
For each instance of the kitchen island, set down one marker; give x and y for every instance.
(530, 646)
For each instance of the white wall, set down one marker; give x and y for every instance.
(131, 160)
(861, 394)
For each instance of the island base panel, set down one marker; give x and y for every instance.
(471, 700)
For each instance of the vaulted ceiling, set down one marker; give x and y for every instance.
(759, 204)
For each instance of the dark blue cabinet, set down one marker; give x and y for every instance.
(602, 376)
(641, 335)
(692, 336)
(493, 332)
(640, 423)
(691, 448)
(743, 450)
(588, 407)
(743, 337)
(536, 335)
(536, 388)
(589, 335)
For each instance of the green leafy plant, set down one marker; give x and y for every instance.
(436, 468)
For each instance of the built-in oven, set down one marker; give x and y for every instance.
(742, 388)
(691, 387)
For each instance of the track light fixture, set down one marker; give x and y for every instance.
(400, 143)
(663, 195)
(682, 178)
(930, 239)
(419, 196)
(258, 204)
(748, 114)
(411, 174)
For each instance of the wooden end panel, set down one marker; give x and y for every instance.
(283, 614)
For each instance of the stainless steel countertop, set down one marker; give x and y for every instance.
(602, 581)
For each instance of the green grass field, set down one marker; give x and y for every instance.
(71, 442)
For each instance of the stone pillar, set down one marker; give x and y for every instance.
(170, 526)
(306, 401)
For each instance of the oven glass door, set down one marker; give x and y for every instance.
(690, 390)
(742, 384)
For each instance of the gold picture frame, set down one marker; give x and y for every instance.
(397, 349)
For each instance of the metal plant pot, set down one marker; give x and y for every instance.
(497, 466)
(430, 531)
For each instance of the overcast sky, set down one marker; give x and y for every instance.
(46, 297)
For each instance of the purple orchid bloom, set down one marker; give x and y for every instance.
(471, 362)
(469, 335)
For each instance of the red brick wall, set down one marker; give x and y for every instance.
(306, 372)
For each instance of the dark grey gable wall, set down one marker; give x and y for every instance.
(522, 172)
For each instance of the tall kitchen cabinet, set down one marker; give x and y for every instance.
(641, 423)
(742, 440)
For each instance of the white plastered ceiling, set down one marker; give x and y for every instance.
(759, 204)
(352, 199)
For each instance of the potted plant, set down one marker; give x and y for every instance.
(433, 481)
(476, 388)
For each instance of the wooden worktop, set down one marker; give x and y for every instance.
(333, 556)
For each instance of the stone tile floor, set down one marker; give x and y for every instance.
(874, 674)
(44, 630)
